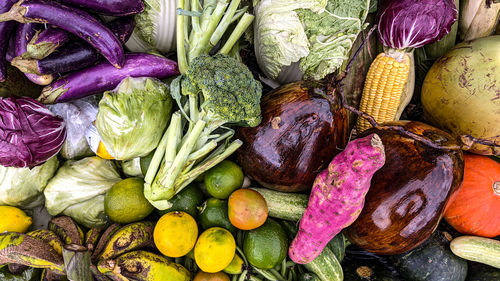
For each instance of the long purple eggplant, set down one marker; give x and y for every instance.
(74, 55)
(5, 32)
(46, 42)
(109, 7)
(72, 20)
(23, 35)
(103, 77)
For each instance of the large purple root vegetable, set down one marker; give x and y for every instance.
(72, 20)
(103, 77)
(337, 197)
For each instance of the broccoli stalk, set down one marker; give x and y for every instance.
(216, 90)
(210, 20)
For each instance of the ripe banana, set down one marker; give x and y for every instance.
(91, 238)
(67, 229)
(130, 237)
(108, 233)
(23, 249)
(478, 18)
(48, 237)
(143, 266)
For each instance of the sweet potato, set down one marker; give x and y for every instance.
(337, 197)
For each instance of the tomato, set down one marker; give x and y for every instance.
(247, 209)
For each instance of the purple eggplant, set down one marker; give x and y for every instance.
(23, 35)
(72, 20)
(46, 42)
(103, 77)
(5, 32)
(109, 7)
(74, 55)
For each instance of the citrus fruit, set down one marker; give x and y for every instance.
(205, 276)
(175, 234)
(214, 249)
(125, 202)
(236, 266)
(223, 179)
(187, 200)
(213, 213)
(247, 209)
(14, 219)
(266, 246)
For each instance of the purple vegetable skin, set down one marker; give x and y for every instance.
(337, 197)
(75, 55)
(46, 42)
(5, 32)
(23, 35)
(109, 7)
(29, 133)
(72, 20)
(103, 77)
(413, 24)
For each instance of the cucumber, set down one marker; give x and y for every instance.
(338, 245)
(478, 249)
(326, 266)
(283, 205)
(308, 277)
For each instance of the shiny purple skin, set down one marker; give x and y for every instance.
(79, 23)
(109, 7)
(103, 77)
(23, 35)
(78, 55)
(5, 33)
(30, 134)
(413, 24)
(52, 35)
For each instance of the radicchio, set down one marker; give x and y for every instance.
(29, 133)
(413, 24)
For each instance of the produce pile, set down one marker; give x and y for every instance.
(216, 140)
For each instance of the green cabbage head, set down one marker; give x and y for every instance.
(306, 39)
(77, 190)
(23, 187)
(132, 118)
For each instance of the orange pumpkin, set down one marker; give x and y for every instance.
(475, 207)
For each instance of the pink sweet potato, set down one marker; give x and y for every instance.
(337, 197)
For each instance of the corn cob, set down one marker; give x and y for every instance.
(388, 87)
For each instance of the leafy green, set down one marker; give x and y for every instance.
(133, 117)
(23, 187)
(316, 34)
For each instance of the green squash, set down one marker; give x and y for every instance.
(482, 272)
(363, 266)
(431, 261)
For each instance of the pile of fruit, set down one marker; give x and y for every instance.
(281, 140)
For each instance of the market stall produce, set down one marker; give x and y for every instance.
(217, 140)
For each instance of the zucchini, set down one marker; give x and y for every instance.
(326, 266)
(431, 261)
(482, 272)
(478, 249)
(284, 205)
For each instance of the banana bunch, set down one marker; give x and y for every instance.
(478, 18)
(65, 252)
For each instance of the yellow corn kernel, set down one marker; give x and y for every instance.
(384, 87)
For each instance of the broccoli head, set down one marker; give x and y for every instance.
(225, 89)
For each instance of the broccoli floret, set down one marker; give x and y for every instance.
(228, 90)
(215, 91)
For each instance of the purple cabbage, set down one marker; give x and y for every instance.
(29, 133)
(413, 24)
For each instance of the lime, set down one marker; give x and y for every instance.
(175, 234)
(125, 202)
(223, 179)
(14, 219)
(187, 200)
(266, 247)
(213, 213)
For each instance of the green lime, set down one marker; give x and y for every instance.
(266, 247)
(213, 213)
(223, 179)
(125, 202)
(187, 201)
